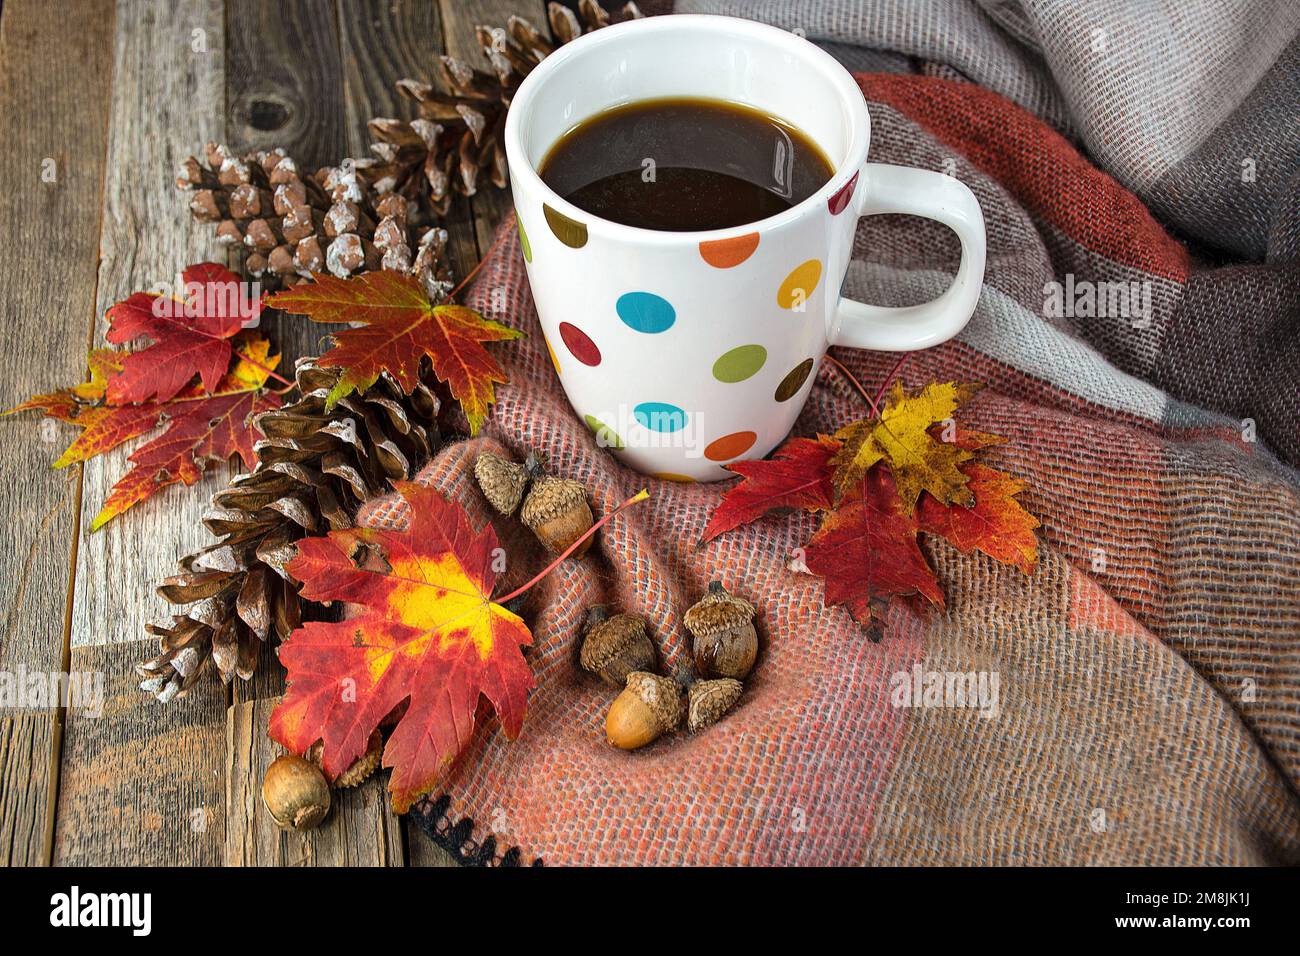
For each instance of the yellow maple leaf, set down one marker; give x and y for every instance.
(901, 436)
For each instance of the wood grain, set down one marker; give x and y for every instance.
(53, 104)
(130, 782)
(26, 744)
(361, 829)
(142, 784)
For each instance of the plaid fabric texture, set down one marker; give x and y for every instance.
(1148, 706)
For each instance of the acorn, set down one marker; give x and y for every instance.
(295, 793)
(502, 481)
(648, 706)
(361, 768)
(556, 510)
(709, 700)
(725, 640)
(614, 647)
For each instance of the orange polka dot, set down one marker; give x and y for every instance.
(730, 446)
(725, 253)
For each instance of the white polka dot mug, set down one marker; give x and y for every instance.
(684, 351)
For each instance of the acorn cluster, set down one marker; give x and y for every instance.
(555, 509)
(618, 649)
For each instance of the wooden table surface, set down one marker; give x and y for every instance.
(116, 96)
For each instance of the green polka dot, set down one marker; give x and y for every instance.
(606, 437)
(740, 363)
(523, 238)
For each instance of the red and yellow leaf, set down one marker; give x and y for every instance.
(996, 524)
(428, 635)
(202, 430)
(190, 337)
(397, 326)
(797, 476)
(901, 436)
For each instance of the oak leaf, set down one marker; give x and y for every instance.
(397, 326)
(190, 336)
(428, 635)
(901, 436)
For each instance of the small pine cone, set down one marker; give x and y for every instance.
(501, 480)
(709, 700)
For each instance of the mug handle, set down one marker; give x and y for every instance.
(918, 192)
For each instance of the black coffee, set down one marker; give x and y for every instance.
(682, 165)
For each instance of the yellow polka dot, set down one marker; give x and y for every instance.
(670, 476)
(551, 352)
(799, 285)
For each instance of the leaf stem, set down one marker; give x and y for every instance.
(852, 379)
(889, 378)
(641, 495)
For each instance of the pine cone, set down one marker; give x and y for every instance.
(289, 225)
(460, 133)
(314, 467)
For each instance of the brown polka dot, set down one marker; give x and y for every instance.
(791, 384)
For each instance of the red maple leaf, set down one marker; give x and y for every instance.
(203, 429)
(397, 326)
(866, 550)
(190, 337)
(797, 476)
(428, 635)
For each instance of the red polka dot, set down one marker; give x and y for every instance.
(840, 201)
(579, 344)
(730, 446)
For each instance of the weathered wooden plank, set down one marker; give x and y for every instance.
(141, 785)
(361, 829)
(26, 745)
(53, 102)
(130, 783)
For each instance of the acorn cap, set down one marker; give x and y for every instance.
(502, 481)
(717, 611)
(709, 700)
(551, 497)
(660, 694)
(607, 637)
(361, 768)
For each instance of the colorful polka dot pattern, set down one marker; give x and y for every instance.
(651, 314)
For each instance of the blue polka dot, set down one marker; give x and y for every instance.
(646, 312)
(660, 416)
